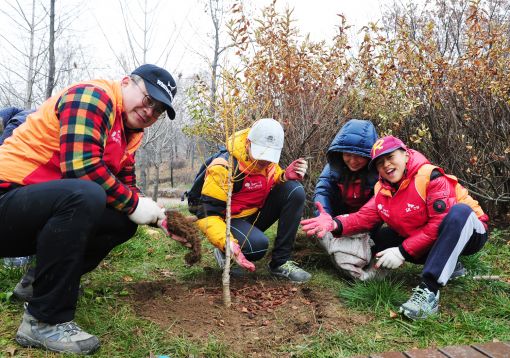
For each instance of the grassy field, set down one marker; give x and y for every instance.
(471, 310)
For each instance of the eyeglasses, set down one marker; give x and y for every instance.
(157, 107)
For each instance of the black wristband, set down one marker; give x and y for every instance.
(339, 229)
(404, 253)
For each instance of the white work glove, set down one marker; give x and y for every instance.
(147, 212)
(390, 258)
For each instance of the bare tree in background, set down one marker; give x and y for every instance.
(33, 59)
(140, 20)
(51, 52)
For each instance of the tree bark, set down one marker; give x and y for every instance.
(225, 278)
(156, 184)
(51, 49)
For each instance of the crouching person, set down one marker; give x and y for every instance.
(431, 220)
(263, 194)
(68, 194)
(345, 185)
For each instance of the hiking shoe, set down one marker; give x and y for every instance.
(220, 257)
(62, 337)
(291, 271)
(459, 271)
(422, 304)
(24, 289)
(17, 262)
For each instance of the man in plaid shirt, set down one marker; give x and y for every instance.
(68, 193)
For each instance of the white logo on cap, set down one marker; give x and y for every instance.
(161, 84)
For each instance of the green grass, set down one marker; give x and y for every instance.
(471, 310)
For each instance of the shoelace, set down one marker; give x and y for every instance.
(419, 296)
(291, 266)
(70, 328)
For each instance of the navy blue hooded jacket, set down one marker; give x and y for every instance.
(11, 118)
(357, 137)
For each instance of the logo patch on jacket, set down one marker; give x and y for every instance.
(382, 210)
(253, 185)
(412, 207)
(115, 136)
(439, 206)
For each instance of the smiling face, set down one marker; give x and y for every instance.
(137, 114)
(354, 162)
(392, 166)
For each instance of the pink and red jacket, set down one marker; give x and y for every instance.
(415, 208)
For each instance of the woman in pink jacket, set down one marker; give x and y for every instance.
(430, 217)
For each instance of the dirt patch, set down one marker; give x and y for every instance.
(264, 314)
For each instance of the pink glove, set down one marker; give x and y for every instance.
(319, 225)
(238, 255)
(296, 170)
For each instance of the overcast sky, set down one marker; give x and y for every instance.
(184, 26)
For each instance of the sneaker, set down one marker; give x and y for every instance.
(422, 304)
(220, 257)
(62, 337)
(291, 271)
(24, 290)
(459, 271)
(14, 262)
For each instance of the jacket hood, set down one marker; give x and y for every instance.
(238, 149)
(357, 136)
(416, 160)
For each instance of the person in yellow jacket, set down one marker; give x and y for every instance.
(68, 194)
(263, 194)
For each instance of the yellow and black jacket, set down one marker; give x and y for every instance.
(251, 189)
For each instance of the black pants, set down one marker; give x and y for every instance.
(284, 203)
(66, 224)
(460, 234)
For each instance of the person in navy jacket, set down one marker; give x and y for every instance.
(344, 186)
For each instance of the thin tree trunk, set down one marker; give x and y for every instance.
(156, 185)
(31, 63)
(172, 173)
(51, 50)
(225, 278)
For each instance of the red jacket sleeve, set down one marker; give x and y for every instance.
(440, 198)
(361, 221)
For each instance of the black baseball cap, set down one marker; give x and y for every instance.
(160, 85)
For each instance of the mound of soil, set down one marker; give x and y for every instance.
(265, 314)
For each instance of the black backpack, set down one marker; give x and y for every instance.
(194, 194)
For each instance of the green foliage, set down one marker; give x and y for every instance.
(375, 295)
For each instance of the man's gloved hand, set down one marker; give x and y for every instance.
(239, 257)
(296, 170)
(390, 258)
(147, 212)
(319, 225)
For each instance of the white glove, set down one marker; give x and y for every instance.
(147, 212)
(390, 258)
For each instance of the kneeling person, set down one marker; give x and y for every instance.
(431, 220)
(267, 193)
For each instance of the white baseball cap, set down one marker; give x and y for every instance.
(266, 137)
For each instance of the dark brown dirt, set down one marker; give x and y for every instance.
(180, 225)
(265, 314)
